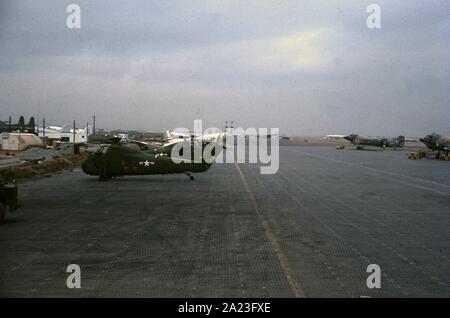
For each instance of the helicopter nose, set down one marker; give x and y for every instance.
(84, 167)
(88, 167)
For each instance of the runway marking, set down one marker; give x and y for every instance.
(388, 173)
(270, 235)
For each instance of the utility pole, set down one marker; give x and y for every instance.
(9, 124)
(74, 135)
(93, 125)
(38, 116)
(43, 127)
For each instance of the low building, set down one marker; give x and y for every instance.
(64, 134)
(12, 142)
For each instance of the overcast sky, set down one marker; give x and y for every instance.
(306, 67)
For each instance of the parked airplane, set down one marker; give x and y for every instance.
(361, 141)
(437, 142)
(334, 137)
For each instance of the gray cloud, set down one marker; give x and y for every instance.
(308, 67)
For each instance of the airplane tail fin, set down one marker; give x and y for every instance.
(166, 135)
(401, 141)
(21, 121)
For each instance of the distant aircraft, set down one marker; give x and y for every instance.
(171, 139)
(118, 159)
(334, 137)
(172, 136)
(437, 142)
(20, 126)
(361, 141)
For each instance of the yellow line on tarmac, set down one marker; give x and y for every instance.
(270, 235)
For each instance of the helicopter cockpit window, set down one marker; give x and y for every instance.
(143, 146)
(103, 149)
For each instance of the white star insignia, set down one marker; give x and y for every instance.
(146, 163)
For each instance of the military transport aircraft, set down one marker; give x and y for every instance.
(361, 141)
(170, 141)
(437, 142)
(117, 159)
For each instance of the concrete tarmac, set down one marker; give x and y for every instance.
(310, 230)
